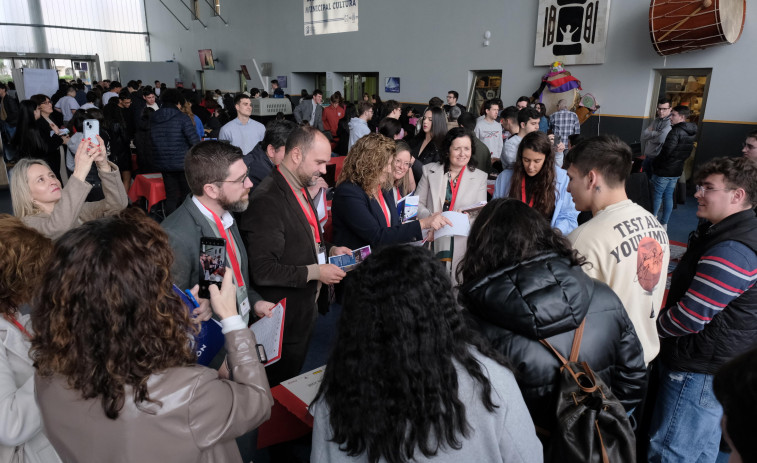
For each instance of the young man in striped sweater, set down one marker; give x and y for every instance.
(710, 315)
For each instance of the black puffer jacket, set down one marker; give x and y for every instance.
(676, 150)
(172, 135)
(547, 297)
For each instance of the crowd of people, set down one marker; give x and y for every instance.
(449, 348)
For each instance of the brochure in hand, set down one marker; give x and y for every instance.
(407, 208)
(210, 339)
(349, 261)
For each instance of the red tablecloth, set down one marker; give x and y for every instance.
(289, 420)
(148, 186)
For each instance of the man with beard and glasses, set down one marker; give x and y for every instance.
(287, 253)
(217, 177)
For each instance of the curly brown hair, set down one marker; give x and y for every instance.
(106, 315)
(366, 164)
(23, 259)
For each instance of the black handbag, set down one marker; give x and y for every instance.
(592, 425)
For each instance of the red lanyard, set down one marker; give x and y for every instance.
(399, 196)
(454, 187)
(384, 209)
(230, 249)
(13, 320)
(523, 193)
(310, 214)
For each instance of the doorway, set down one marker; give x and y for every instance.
(357, 83)
(485, 85)
(687, 87)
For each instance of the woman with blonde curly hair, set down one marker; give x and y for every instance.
(23, 259)
(113, 348)
(363, 209)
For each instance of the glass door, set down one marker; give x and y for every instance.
(355, 84)
(485, 86)
(686, 87)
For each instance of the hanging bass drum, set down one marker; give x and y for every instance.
(678, 26)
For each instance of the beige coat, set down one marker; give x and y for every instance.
(21, 436)
(71, 211)
(432, 189)
(198, 420)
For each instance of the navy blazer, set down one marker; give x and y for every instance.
(359, 221)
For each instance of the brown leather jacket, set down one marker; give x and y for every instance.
(198, 420)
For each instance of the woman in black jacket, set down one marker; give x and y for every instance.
(427, 144)
(522, 282)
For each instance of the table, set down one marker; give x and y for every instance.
(290, 418)
(149, 186)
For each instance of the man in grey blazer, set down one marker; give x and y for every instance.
(217, 177)
(311, 110)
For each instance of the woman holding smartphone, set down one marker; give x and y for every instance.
(42, 204)
(113, 348)
(538, 182)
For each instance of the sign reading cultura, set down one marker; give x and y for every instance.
(330, 16)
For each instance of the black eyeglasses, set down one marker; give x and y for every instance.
(239, 180)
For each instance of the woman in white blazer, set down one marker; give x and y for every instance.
(23, 256)
(451, 185)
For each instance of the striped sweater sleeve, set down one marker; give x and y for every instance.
(723, 274)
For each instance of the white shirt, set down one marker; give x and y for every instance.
(107, 96)
(227, 220)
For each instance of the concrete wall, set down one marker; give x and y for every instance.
(432, 45)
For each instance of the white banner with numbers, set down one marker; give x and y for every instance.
(330, 16)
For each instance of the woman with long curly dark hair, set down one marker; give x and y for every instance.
(538, 182)
(23, 259)
(116, 371)
(523, 282)
(408, 380)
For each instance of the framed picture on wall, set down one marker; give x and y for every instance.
(282, 81)
(392, 85)
(206, 59)
(571, 31)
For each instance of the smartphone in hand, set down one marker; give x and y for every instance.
(92, 130)
(212, 264)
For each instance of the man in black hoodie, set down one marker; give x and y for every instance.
(668, 165)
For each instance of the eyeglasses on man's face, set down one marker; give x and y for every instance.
(705, 189)
(239, 180)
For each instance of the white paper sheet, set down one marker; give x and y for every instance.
(460, 225)
(305, 386)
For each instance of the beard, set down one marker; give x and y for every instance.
(240, 205)
(307, 179)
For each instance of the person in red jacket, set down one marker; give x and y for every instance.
(331, 116)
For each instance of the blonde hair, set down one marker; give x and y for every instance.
(186, 108)
(403, 183)
(366, 162)
(21, 195)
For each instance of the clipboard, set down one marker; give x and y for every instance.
(269, 332)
